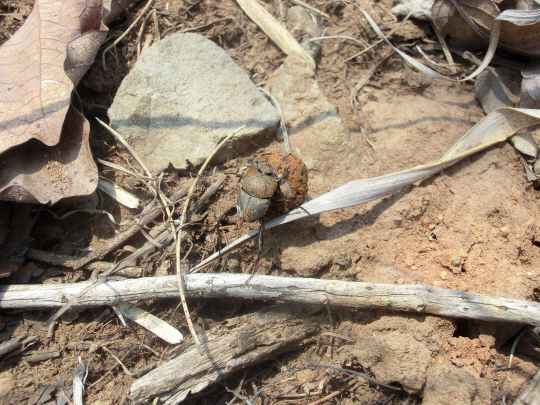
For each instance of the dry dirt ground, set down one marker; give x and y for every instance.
(473, 227)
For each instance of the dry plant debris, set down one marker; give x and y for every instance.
(40, 66)
(107, 347)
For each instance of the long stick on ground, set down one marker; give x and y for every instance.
(411, 298)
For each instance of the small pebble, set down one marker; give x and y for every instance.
(320, 231)
(462, 286)
(444, 274)
(414, 267)
(431, 227)
(440, 217)
(400, 281)
(456, 261)
(369, 243)
(436, 283)
(505, 231)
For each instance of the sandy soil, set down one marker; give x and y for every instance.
(474, 227)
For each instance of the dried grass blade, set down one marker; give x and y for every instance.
(277, 33)
(150, 322)
(122, 169)
(118, 193)
(492, 129)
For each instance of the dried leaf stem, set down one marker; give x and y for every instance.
(179, 237)
(310, 8)
(121, 37)
(281, 122)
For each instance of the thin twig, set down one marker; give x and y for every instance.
(446, 51)
(156, 26)
(200, 27)
(126, 370)
(105, 249)
(514, 345)
(310, 8)
(179, 239)
(125, 33)
(141, 32)
(126, 145)
(282, 121)
(339, 37)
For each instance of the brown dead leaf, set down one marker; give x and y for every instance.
(39, 67)
(449, 21)
(469, 24)
(520, 32)
(34, 172)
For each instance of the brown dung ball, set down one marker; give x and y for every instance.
(295, 172)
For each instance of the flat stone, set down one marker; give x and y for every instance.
(318, 135)
(185, 95)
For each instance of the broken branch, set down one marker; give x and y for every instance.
(410, 298)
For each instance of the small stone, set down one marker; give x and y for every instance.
(369, 243)
(437, 283)
(414, 267)
(320, 231)
(420, 9)
(515, 194)
(168, 112)
(440, 217)
(400, 281)
(444, 274)
(343, 260)
(456, 261)
(462, 286)
(505, 231)
(431, 227)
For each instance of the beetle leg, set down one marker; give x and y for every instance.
(296, 205)
(230, 211)
(261, 229)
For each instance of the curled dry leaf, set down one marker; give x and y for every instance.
(498, 88)
(449, 21)
(530, 88)
(470, 24)
(35, 173)
(39, 67)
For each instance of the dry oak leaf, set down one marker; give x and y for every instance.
(36, 173)
(519, 29)
(44, 152)
(40, 65)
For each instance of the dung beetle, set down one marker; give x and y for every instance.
(256, 190)
(267, 180)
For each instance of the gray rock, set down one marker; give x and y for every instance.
(183, 96)
(318, 135)
(421, 9)
(303, 28)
